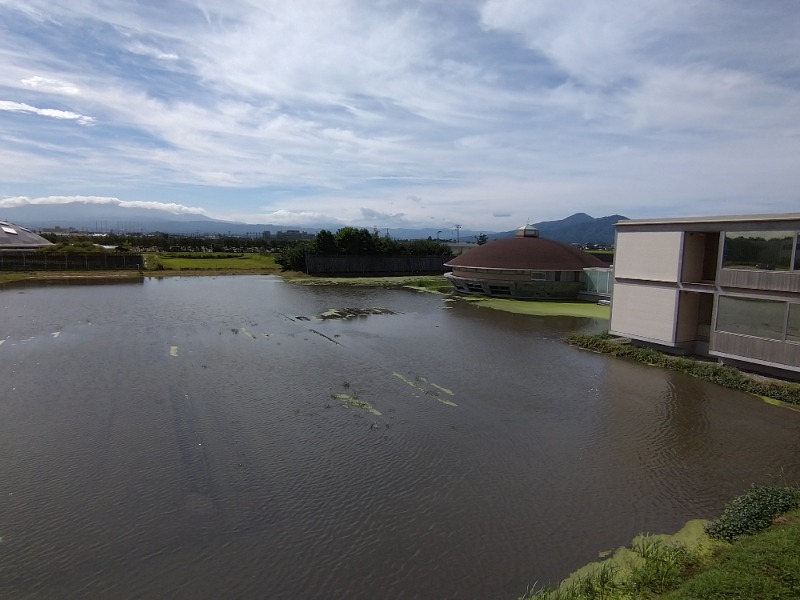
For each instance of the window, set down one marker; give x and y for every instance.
(766, 250)
(750, 316)
(538, 276)
(500, 290)
(793, 327)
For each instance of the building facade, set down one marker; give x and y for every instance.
(14, 238)
(525, 266)
(725, 287)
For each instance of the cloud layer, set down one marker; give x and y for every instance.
(397, 113)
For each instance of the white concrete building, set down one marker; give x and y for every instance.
(726, 287)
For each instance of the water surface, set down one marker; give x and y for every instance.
(179, 438)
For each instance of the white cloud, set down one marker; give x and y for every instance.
(55, 86)
(496, 107)
(166, 206)
(145, 50)
(6, 105)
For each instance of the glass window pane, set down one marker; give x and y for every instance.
(793, 330)
(797, 254)
(747, 316)
(767, 250)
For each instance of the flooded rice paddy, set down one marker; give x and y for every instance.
(217, 438)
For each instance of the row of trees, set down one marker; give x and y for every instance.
(351, 241)
(163, 242)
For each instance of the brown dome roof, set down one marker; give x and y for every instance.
(532, 253)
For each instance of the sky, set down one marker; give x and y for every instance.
(406, 113)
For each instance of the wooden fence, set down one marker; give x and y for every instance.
(375, 265)
(42, 261)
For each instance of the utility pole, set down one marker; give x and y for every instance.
(458, 232)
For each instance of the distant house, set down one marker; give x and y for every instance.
(19, 239)
(524, 266)
(725, 287)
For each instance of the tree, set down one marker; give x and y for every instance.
(325, 243)
(482, 239)
(353, 242)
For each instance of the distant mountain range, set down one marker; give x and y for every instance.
(578, 228)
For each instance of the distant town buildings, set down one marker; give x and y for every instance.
(724, 287)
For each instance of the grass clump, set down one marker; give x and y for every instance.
(723, 375)
(650, 567)
(764, 566)
(754, 556)
(754, 511)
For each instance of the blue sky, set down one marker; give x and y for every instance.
(403, 113)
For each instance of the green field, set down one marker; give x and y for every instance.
(198, 261)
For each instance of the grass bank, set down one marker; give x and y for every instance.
(11, 277)
(211, 262)
(724, 375)
(56, 276)
(542, 308)
(427, 283)
(760, 560)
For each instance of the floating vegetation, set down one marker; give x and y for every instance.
(349, 313)
(330, 339)
(444, 390)
(352, 401)
(421, 379)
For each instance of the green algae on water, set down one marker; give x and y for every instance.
(352, 401)
(428, 392)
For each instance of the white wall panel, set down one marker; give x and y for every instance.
(651, 255)
(645, 312)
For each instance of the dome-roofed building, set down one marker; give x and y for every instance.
(524, 266)
(14, 237)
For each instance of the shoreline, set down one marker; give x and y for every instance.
(771, 390)
(436, 284)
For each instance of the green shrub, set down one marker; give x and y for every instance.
(754, 511)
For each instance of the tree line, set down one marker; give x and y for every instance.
(352, 241)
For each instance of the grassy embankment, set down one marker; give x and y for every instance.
(439, 284)
(9, 277)
(203, 263)
(425, 283)
(724, 375)
(543, 308)
(749, 552)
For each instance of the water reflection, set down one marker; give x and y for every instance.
(182, 438)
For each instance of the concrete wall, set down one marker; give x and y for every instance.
(644, 312)
(693, 256)
(688, 316)
(649, 256)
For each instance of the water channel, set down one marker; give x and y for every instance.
(213, 438)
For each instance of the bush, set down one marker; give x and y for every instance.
(754, 511)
